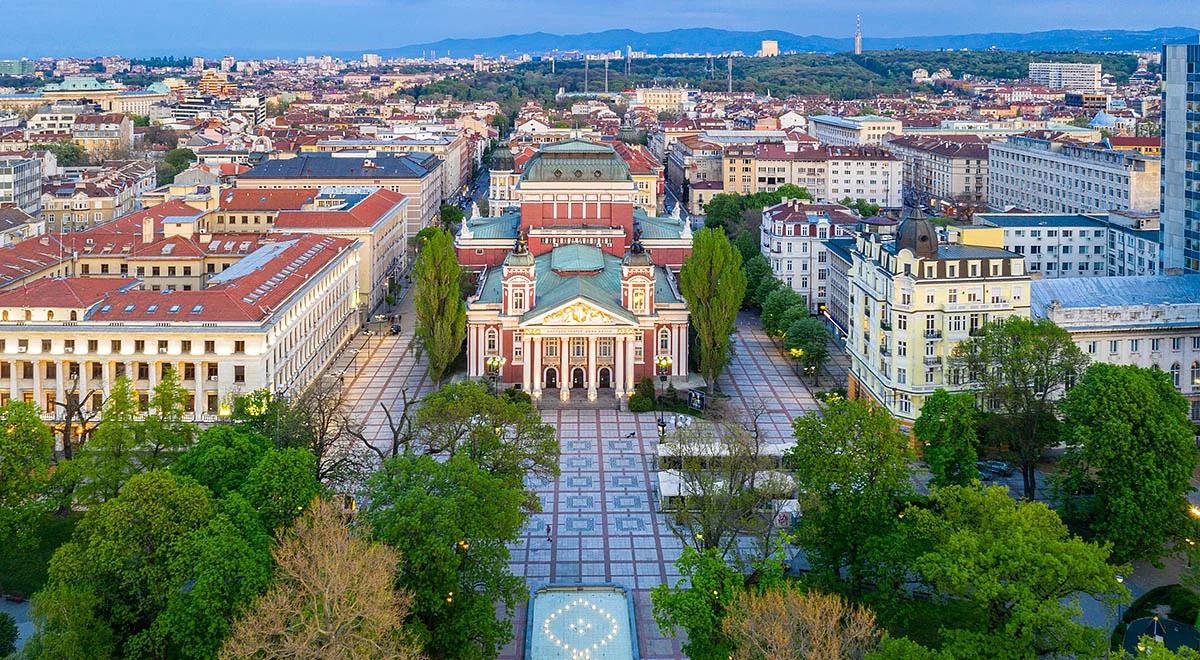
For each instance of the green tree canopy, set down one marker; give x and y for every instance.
(109, 457)
(775, 305)
(698, 602)
(441, 311)
(1018, 565)
(808, 338)
(26, 451)
(161, 547)
(757, 270)
(450, 216)
(946, 431)
(714, 284)
(66, 152)
(851, 470)
(1129, 438)
(450, 520)
(746, 242)
(1022, 366)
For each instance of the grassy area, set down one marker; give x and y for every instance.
(1183, 602)
(26, 574)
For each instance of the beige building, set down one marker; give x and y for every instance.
(912, 300)
(940, 171)
(846, 131)
(829, 173)
(663, 99)
(272, 321)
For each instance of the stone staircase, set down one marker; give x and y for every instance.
(605, 400)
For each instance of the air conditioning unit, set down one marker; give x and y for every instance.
(22, 349)
(163, 351)
(68, 349)
(212, 379)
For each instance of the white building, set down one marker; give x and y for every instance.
(1134, 243)
(1046, 173)
(1074, 76)
(792, 237)
(1053, 245)
(846, 131)
(21, 183)
(1143, 321)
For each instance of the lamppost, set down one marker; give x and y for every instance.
(494, 364)
(1120, 580)
(662, 364)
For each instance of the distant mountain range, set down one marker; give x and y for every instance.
(712, 40)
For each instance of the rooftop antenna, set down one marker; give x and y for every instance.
(858, 34)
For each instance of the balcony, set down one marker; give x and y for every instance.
(885, 325)
(884, 350)
(975, 332)
(933, 361)
(933, 334)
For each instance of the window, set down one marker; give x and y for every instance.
(901, 375)
(551, 348)
(518, 351)
(578, 347)
(605, 348)
(1195, 374)
(239, 373)
(639, 351)
(210, 346)
(1155, 345)
(518, 300)
(139, 346)
(1175, 375)
(239, 346)
(901, 348)
(1134, 344)
(664, 341)
(1114, 346)
(492, 342)
(1177, 343)
(905, 403)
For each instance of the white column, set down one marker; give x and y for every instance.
(472, 350)
(618, 377)
(198, 389)
(154, 367)
(564, 379)
(13, 393)
(591, 368)
(37, 385)
(106, 378)
(537, 367)
(677, 364)
(60, 375)
(526, 362)
(83, 384)
(630, 366)
(683, 349)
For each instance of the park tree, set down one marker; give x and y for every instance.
(165, 434)
(1021, 367)
(280, 484)
(698, 602)
(222, 458)
(729, 487)
(334, 596)
(26, 452)
(155, 572)
(1017, 566)
(746, 242)
(792, 191)
(946, 430)
(714, 284)
(450, 215)
(8, 634)
(441, 311)
(757, 269)
(850, 464)
(788, 622)
(1129, 441)
(766, 286)
(109, 458)
(808, 339)
(775, 305)
(66, 152)
(451, 522)
(723, 211)
(504, 434)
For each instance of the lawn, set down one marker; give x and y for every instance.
(26, 574)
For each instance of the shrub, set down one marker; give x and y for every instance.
(639, 403)
(645, 388)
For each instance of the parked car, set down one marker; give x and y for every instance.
(995, 468)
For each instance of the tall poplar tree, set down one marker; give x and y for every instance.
(713, 282)
(441, 311)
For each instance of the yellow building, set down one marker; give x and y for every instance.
(913, 299)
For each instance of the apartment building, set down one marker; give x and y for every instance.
(912, 300)
(1134, 245)
(1074, 76)
(942, 171)
(97, 196)
(1067, 245)
(105, 133)
(21, 183)
(451, 150)
(273, 320)
(793, 237)
(1146, 321)
(663, 99)
(847, 131)
(830, 173)
(417, 176)
(1047, 173)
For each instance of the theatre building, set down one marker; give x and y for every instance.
(577, 293)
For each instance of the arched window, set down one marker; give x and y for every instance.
(49, 316)
(28, 315)
(4, 317)
(74, 315)
(664, 341)
(1175, 375)
(1196, 374)
(492, 341)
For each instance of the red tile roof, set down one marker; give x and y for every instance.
(364, 214)
(76, 292)
(251, 199)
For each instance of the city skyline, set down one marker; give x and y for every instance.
(263, 29)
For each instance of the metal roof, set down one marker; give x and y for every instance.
(1082, 292)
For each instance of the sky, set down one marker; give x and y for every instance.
(255, 28)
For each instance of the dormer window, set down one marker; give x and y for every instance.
(518, 300)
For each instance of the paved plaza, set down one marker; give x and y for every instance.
(602, 513)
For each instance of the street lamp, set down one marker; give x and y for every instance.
(662, 364)
(494, 364)
(1120, 580)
